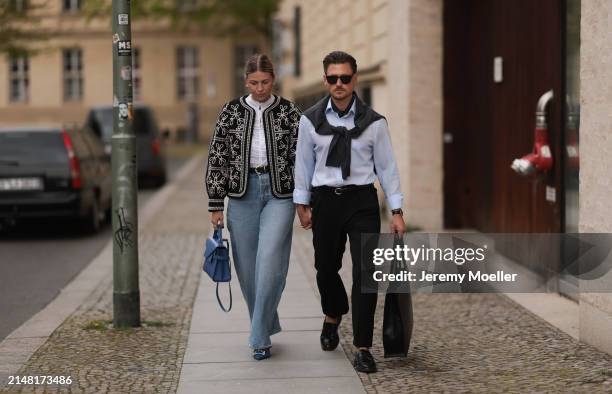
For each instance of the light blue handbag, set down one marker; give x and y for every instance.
(217, 262)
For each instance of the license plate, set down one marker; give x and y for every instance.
(15, 184)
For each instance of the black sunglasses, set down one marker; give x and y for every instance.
(345, 79)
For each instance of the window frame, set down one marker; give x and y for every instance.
(187, 73)
(187, 5)
(71, 6)
(19, 6)
(21, 76)
(241, 54)
(73, 75)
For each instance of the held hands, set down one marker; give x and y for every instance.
(305, 215)
(397, 224)
(216, 218)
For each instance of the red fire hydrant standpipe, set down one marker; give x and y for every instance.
(540, 158)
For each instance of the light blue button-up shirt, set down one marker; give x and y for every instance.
(372, 149)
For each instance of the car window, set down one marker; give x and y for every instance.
(144, 122)
(94, 124)
(25, 147)
(78, 142)
(94, 143)
(103, 120)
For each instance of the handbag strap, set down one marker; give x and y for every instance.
(218, 233)
(219, 298)
(229, 283)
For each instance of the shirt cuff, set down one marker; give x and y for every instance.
(395, 201)
(301, 197)
(215, 204)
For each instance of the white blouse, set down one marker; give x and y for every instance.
(258, 142)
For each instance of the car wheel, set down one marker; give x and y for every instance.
(92, 222)
(160, 181)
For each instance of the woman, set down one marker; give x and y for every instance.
(251, 160)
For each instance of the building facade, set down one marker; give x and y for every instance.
(172, 70)
(460, 84)
(399, 66)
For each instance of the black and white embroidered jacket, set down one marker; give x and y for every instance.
(230, 149)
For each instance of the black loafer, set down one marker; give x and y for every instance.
(329, 335)
(364, 362)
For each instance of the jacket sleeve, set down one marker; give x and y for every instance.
(294, 118)
(217, 169)
(305, 163)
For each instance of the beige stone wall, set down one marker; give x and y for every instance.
(398, 47)
(157, 44)
(355, 26)
(595, 158)
(415, 109)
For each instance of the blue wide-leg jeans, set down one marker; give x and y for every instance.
(261, 228)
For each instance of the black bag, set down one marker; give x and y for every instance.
(398, 320)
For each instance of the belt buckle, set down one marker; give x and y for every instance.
(338, 191)
(258, 170)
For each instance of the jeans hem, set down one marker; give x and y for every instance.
(269, 345)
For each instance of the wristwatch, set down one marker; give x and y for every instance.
(397, 211)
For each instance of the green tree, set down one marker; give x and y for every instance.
(222, 17)
(18, 27)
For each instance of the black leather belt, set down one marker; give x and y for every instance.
(259, 170)
(339, 190)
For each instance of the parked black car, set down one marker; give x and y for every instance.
(54, 172)
(150, 155)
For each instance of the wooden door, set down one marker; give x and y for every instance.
(487, 124)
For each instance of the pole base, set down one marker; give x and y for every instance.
(126, 309)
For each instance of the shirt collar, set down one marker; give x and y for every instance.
(350, 111)
(256, 104)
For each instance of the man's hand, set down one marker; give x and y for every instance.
(216, 218)
(305, 215)
(397, 224)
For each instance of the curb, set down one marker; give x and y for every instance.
(17, 348)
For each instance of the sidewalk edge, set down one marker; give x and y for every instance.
(17, 348)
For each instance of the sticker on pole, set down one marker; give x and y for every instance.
(123, 19)
(124, 48)
(123, 111)
(126, 73)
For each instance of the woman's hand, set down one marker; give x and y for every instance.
(216, 218)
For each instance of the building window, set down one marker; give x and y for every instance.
(187, 5)
(241, 54)
(187, 73)
(71, 5)
(18, 6)
(297, 45)
(73, 75)
(136, 77)
(19, 68)
(366, 95)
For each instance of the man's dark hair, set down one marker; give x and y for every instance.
(339, 57)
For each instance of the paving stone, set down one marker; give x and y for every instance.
(462, 343)
(149, 358)
(473, 343)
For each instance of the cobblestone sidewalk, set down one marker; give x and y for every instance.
(147, 359)
(461, 342)
(473, 343)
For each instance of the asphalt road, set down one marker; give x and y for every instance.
(38, 259)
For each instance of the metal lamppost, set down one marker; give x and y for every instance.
(126, 293)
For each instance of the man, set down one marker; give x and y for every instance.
(343, 146)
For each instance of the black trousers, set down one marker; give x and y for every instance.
(333, 218)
